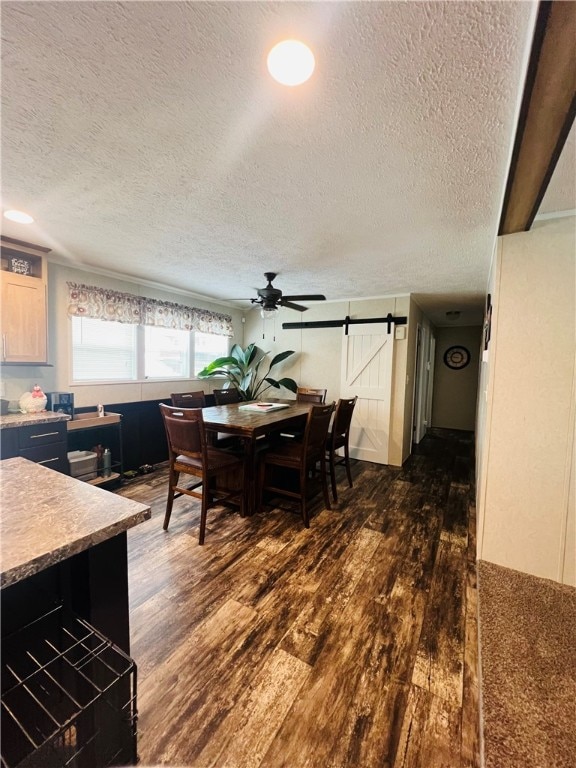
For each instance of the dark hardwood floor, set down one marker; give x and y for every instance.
(349, 645)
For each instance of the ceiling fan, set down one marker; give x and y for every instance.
(270, 298)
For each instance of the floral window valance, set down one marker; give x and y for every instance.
(104, 304)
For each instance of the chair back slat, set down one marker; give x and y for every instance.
(316, 432)
(343, 417)
(189, 399)
(184, 430)
(309, 395)
(225, 396)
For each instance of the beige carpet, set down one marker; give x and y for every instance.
(528, 669)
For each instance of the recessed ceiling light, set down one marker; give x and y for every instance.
(19, 216)
(291, 62)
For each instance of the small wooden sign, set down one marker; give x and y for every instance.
(19, 265)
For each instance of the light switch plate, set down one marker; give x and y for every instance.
(400, 332)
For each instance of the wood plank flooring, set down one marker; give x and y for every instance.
(349, 645)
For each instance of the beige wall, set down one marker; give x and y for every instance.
(526, 496)
(455, 391)
(569, 556)
(318, 359)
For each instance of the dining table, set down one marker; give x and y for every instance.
(252, 425)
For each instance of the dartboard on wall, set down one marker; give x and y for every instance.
(457, 357)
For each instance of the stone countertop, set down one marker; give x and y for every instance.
(47, 517)
(29, 419)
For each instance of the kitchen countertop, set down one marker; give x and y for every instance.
(47, 517)
(29, 419)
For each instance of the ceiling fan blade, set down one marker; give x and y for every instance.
(309, 297)
(290, 305)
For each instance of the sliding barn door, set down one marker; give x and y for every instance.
(367, 359)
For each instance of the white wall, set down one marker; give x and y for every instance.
(19, 379)
(526, 495)
(318, 359)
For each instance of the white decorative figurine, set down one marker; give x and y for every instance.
(33, 402)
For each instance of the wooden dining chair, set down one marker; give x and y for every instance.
(305, 395)
(338, 437)
(189, 399)
(190, 453)
(303, 457)
(309, 395)
(225, 396)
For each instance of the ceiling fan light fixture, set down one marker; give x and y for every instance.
(267, 313)
(291, 62)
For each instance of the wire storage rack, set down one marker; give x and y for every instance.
(68, 697)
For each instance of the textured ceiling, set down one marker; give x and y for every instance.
(147, 139)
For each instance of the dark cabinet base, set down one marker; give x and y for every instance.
(66, 632)
(41, 443)
(69, 696)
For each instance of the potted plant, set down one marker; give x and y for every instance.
(242, 369)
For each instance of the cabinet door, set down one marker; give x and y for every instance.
(53, 456)
(23, 319)
(46, 444)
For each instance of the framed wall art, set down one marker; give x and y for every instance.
(456, 357)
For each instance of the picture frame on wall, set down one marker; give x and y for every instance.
(487, 321)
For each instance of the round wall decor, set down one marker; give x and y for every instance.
(456, 357)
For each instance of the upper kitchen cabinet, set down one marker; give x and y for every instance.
(24, 314)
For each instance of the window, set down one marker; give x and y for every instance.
(207, 347)
(103, 350)
(166, 353)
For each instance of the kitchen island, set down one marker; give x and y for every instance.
(63, 553)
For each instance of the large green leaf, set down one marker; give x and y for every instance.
(281, 356)
(288, 384)
(237, 352)
(220, 362)
(242, 368)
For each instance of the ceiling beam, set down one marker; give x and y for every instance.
(546, 115)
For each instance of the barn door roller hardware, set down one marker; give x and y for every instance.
(389, 320)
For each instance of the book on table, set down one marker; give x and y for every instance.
(263, 407)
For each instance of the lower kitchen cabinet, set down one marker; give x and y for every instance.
(44, 443)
